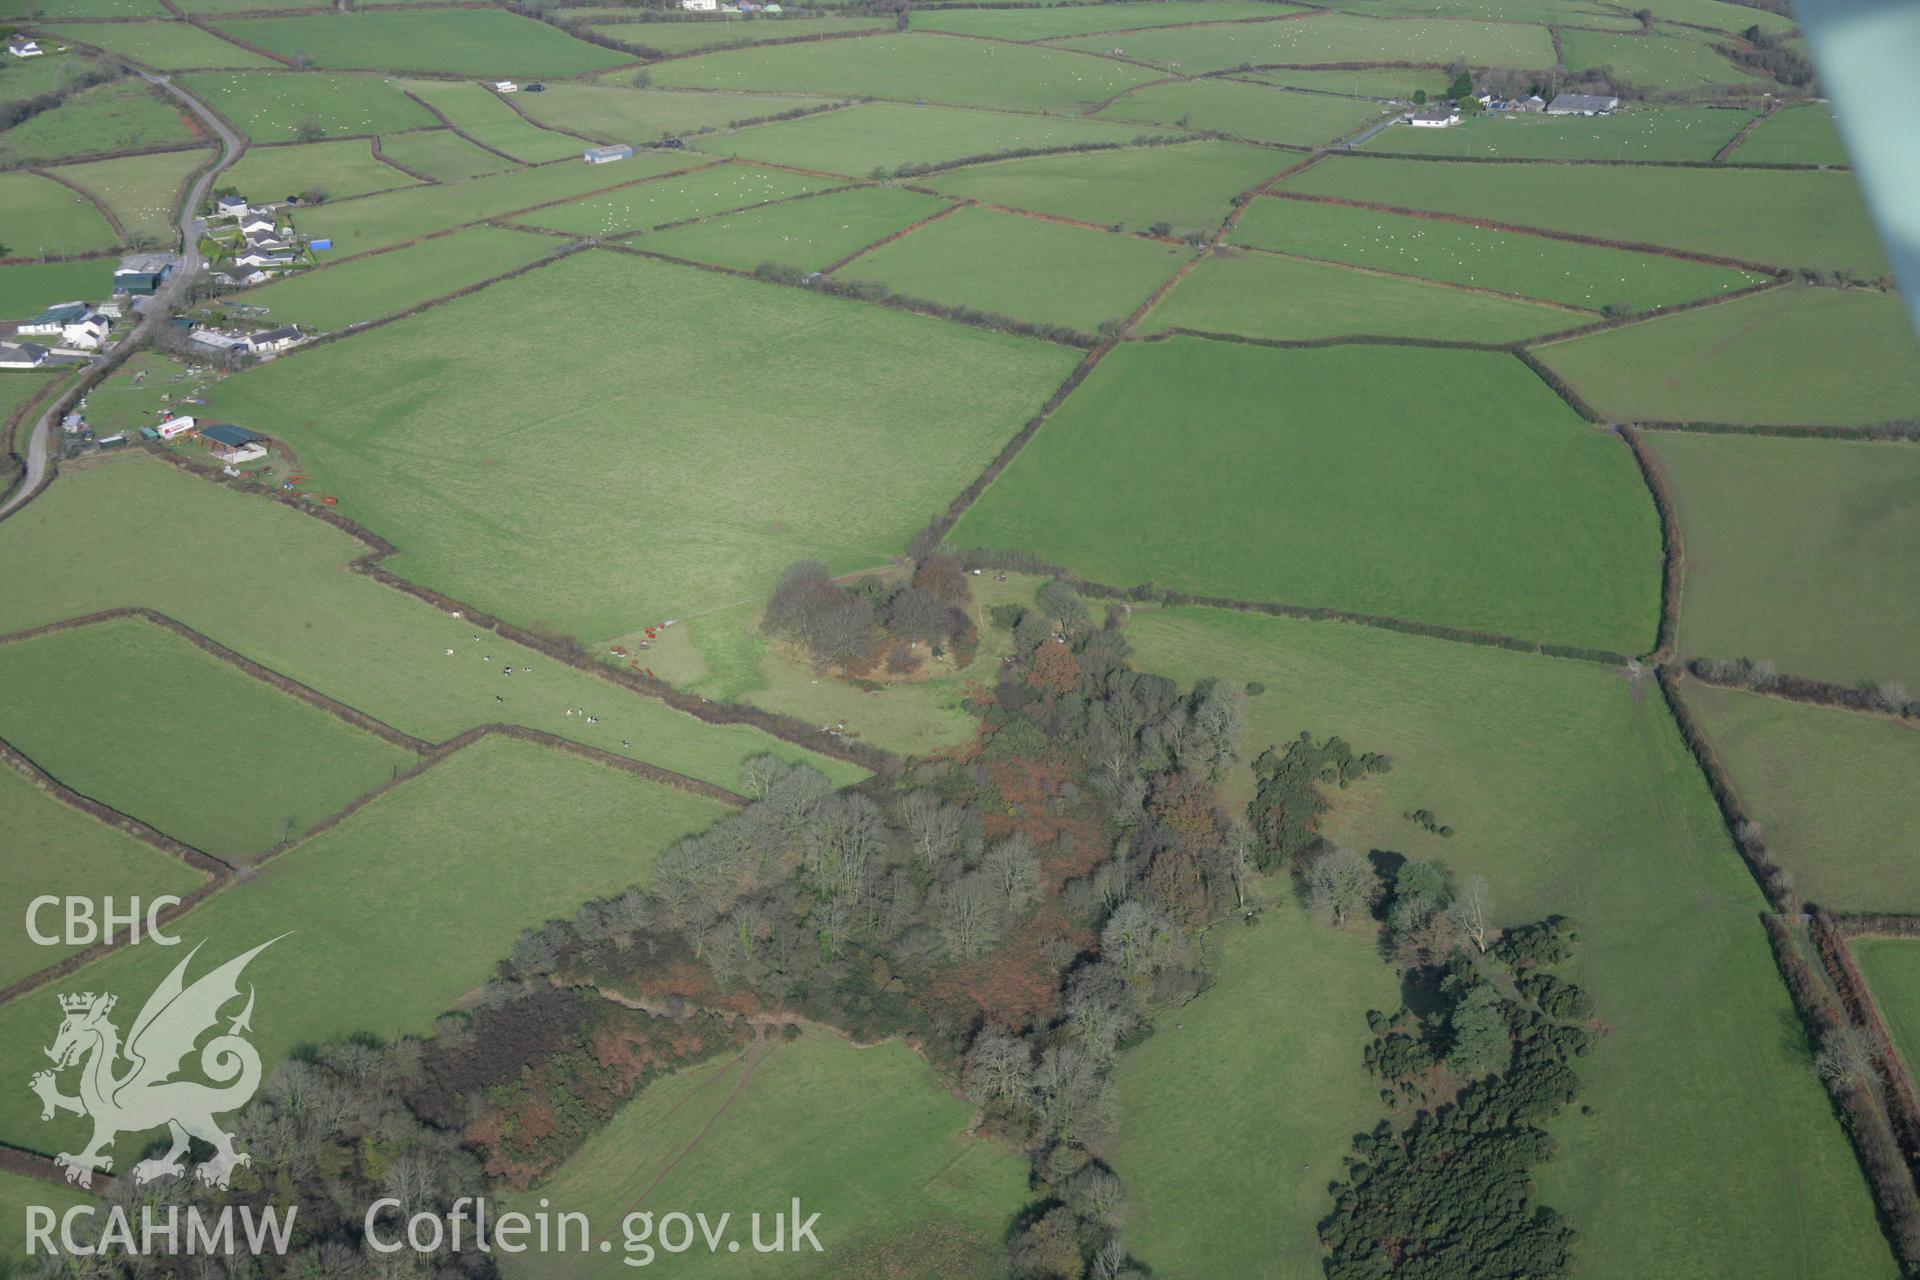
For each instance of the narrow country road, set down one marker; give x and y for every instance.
(156, 311)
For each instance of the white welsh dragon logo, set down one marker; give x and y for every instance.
(145, 1095)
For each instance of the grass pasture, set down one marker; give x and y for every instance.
(1763, 358)
(1788, 219)
(724, 31)
(141, 720)
(1396, 83)
(479, 42)
(163, 46)
(811, 234)
(1658, 62)
(55, 849)
(1267, 296)
(341, 168)
(1338, 478)
(31, 287)
(369, 288)
(612, 110)
(1328, 38)
(1794, 135)
(1190, 186)
(300, 611)
(11, 9)
(1723, 15)
(1062, 21)
(912, 67)
(1245, 110)
(1575, 275)
(1832, 789)
(1022, 267)
(118, 116)
(1891, 967)
(1677, 133)
(1571, 793)
(484, 115)
(144, 192)
(43, 217)
(16, 1193)
(888, 135)
(425, 888)
(1806, 552)
(671, 515)
(695, 195)
(379, 221)
(270, 106)
(441, 154)
(868, 1137)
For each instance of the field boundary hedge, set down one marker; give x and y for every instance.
(1857, 1000)
(458, 132)
(1900, 432)
(787, 728)
(380, 155)
(1229, 250)
(520, 111)
(1673, 559)
(113, 219)
(889, 238)
(1733, 143)
(1866, 1124)
(1515, 228)
(1792, 688)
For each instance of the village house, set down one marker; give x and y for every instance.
(216, 341)
(22, 355)
(257, 259)
(606, 155)
(1532, 102)
(1433, 118)
(1581, 104)
(231, 207)
(276, 339)
(22, 47)
(700, 6)
(53, 320)
(75, 323)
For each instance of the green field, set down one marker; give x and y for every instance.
(1577, 275)
(118, 116)
(1804, 552)
(1755, 359)
(683, 480)
(1043, 23)
(1329, 38)
(10, 9)
(1832, 789)
(1398, 83)
(396, 216)
(16, 1193)
(725, 30)
(1338, 478)
(163, 46)
(1652, 62)
(441, 154)
(912, 67)
(889, 135)
(484, 115)
(41, 217)
(1251, 1037)
(1190, 186)
(31, 287)
(1722, 15)
(369, 288)
(1787, 219)
(1794, 135)
(1249, 111)
(483, 42)
(144, 192)
(869, 1138)
(1891, 967)
(1264, 296)
(56, 850)
(1025, 268)
(1710, 1149)
(22, 78)
(1680, 133)
(812, 234)
(301, 612)
(270, 107)
(698, 194)
(337, 169)
(617, 113)
(138, 718)
(423, 890)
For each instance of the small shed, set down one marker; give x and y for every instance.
(606, 155)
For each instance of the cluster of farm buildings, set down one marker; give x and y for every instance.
(1445, 114)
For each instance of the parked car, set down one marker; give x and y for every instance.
(535, 87)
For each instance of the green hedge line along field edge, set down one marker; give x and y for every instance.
(1857, 1000)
